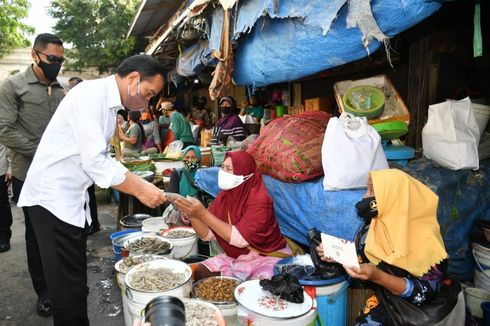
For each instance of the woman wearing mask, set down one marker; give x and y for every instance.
(182, 181)
(134, 137)
(230, 124)
(403, 253)
(242, 220)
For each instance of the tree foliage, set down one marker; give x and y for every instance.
(96, 29)
(12, 31)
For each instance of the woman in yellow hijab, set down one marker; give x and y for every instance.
(400, 246)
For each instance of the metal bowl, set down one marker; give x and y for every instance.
(134, 220)
(218, 303)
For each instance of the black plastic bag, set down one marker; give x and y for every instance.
(286, 286)
(323, 269)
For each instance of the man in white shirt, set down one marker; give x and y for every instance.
(71, 156)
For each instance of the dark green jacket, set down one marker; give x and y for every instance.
(26, 107)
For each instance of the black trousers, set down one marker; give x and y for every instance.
(63, 252)
(33, 257)
(93, 205)
(5, 212)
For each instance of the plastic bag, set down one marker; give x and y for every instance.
(451, 135)
(286, 286)
(174, 149)
(351, 148)
(323, 269)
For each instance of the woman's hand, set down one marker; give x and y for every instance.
(322, 254)
(366, 272)
(121, 135)
(192, 207)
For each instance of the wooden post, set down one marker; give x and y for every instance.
(420, 55)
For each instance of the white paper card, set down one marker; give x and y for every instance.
(342, 251)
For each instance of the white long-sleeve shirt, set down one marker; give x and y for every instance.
(73, 153)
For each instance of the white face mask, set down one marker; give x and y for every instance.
(227, 181)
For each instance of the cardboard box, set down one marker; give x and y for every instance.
(394, 110)
(319, 104)
(293, 110)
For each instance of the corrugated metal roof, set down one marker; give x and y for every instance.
(151, 15)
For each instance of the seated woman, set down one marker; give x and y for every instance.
(230, 124)
(402, 250)
(153, 142)
(182, 182)
(242, 220)
(134, 137)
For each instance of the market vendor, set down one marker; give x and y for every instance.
(403, 253)
(230, 124)
(179, 125)
(182, 182)
(133, 139)
(242, 220)
(255, 109)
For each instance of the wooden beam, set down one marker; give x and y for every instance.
(420, 55)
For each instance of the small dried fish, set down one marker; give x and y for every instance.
(216, 289)
(198, 314)
(176, 234)
(148, 245)
(156, 279)
(131, 261)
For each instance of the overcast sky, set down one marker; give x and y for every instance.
(39, 18)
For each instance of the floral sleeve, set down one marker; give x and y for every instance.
(425, 288)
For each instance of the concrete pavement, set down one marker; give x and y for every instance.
(18, 299)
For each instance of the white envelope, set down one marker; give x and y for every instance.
(341, 250)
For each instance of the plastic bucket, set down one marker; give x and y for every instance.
(137, 299)
(154, 224)
(482, 115)
(485, 307)
(118, 249)
(332, 304)
(474, 298)
(482, 266)
(247, 317)
(183, 247)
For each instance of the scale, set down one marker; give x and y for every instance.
(390, 131)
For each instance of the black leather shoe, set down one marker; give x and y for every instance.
(43, 307)
(93, 229)
(4, 246)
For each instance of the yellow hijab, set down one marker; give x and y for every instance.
(406, 232)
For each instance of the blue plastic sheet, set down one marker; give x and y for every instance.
(464, 197)
(300, 207)
(305, 37)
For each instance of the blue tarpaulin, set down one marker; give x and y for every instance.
(304, 37)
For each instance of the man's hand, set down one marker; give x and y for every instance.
(150, 195)
(8, 178)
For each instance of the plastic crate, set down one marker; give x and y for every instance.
(394, 109)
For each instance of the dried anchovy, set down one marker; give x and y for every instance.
(175, 234)
(216, 289)
(197, 314)
(147, 245)
(131, 261)
(156, 279)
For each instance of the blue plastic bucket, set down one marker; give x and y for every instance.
(118, 249)
(332, 304)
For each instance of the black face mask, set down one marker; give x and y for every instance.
(50, 70)
(367, 208)
(225, 109)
